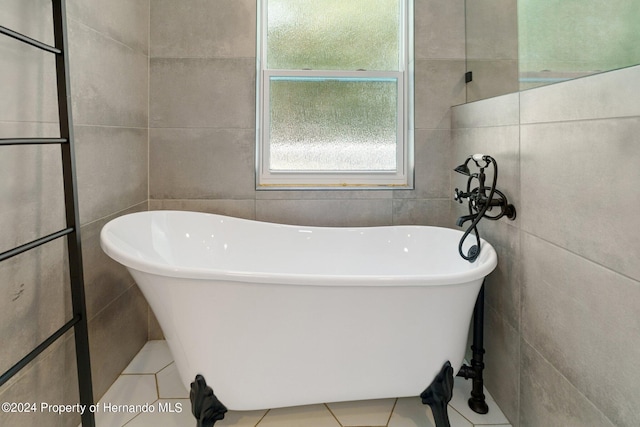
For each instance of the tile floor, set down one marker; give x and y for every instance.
(152, 379)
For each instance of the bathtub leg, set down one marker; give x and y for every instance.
(438, 395)
(205, 406)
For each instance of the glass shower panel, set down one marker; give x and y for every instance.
(563, 40)
(333, 124)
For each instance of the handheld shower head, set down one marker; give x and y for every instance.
(477, 158)
(463, 168)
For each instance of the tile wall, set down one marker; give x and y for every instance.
(562, 306)
(178, 82)
(109, 53)
(170, 120)
(202, 119)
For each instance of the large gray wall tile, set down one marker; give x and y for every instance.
(31, 187)
(583, 318)
(202, 28)
(231, 207)
(71, 395)
(40, 382)
(108, 80)
(27, 83)
(29, 17)
(32, 194)
(126, 21)
(193, 92)
(502, 286)
(498, 111)
(432, 152)
(434, 212)
(610, 94)
(331, 213)
(494, 77)
(439, 85)
(104, 279)
(121, 325)
(502, 363)
(323, 194)
(35, 300)
(547, 399)
(202, 163)
(579, 188)
(27, 75)
(439, 29)
(112, 169)
(492, 29)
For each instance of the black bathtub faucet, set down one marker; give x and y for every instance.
(464, 218)
(482, 199)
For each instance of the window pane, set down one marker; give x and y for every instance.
(320, 124)
(333, 34)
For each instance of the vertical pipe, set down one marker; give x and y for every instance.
(477, 401)
(81, 332)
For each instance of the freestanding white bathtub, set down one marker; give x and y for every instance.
(279, 315)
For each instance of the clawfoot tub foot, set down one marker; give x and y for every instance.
(438, 395)
(205, 406)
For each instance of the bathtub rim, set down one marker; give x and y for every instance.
(484, 265)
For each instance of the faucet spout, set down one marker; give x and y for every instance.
(466, 218)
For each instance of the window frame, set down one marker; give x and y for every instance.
(401, 178)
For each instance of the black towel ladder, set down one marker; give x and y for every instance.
(72, 231)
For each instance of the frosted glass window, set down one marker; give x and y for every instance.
(333, 34)
(319, 124)
(334, 94)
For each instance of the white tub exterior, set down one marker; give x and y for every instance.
(278, 315)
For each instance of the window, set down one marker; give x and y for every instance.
(335, 94)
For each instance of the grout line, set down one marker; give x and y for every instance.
(571, 251)
(104, 35)
(262, 418)
(173, 127)
(391, 413)
(560, 374)
(130, 374)
(165, 367)
(459, 413)
(148, 124)
(332, 414)
(202, 57)
(155, 376)
(126, 423)
(519, 279)
(99, 125)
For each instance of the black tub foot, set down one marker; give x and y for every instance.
(438, 395)
(205, 406)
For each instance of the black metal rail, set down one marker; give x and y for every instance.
(29, 40)
(34, 244)
(28, 141)
(72, 232)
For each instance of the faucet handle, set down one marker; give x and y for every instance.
(459, 195)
